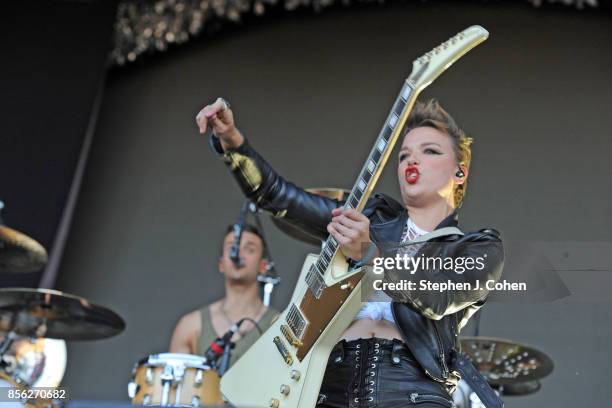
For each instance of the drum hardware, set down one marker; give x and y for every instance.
(18, 252)
(173, 379)
(35, 362)
(269, 281)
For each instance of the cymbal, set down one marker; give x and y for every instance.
(522, 388)
(56, 315)
(20, 253)
(294, 232)
(505, 362)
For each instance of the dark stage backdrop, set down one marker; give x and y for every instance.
(311, 94)
(53, 65)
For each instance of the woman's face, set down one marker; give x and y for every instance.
(427, 167)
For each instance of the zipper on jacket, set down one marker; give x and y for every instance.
(445, 370)
(416, 398)
(427, 373)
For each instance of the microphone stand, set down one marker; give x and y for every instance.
(269, 279)
(222, 368)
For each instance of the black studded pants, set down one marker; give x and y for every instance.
(378, 373)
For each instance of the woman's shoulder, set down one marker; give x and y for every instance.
(383, 205)
(486, 234)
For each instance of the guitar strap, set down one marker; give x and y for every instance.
(372, 249)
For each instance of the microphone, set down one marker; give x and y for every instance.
(238, 227)
(235, 249)
(217, 347)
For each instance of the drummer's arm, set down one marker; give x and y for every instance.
(186, 333)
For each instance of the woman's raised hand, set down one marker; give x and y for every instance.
(220, 118)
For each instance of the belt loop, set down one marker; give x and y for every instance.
(396, 350)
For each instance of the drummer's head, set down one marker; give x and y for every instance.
(252, 255)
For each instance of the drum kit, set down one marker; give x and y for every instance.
(36, 323)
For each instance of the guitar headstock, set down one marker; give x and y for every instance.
(430, 65)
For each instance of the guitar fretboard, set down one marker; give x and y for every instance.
(364, 185)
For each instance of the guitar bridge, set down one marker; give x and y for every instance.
(283, 350)
(294, 341)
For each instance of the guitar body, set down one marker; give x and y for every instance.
(256, 379)
(285, 367)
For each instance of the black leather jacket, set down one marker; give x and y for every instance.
(429, 321)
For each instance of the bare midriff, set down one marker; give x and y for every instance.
(366, 328)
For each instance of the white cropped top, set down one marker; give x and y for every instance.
(382, 310)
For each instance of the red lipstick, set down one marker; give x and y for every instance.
(412, 174)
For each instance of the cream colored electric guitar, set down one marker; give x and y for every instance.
(285, 367)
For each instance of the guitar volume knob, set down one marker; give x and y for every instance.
(295, 375)
(284, 389)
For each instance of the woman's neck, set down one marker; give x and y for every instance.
(428, 217)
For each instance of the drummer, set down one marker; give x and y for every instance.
(196, 330)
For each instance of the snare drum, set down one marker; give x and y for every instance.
(176, 380)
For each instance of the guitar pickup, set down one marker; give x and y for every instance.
(291, 338)
(283, 350)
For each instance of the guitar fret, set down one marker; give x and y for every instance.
(376, 156)
(326, 256)
(382, 143)
(393, 120)
(332, 243)
(358, 194)
(354, 201)
(371, 166)
(399, 107)
(362, 185)
(387, 133)
(367, 176)
(319, 270)
(405, 94)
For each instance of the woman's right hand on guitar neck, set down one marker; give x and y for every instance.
(220, 118)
